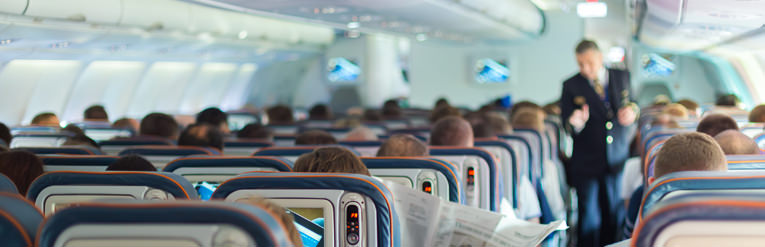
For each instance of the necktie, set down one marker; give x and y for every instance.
(599, 88)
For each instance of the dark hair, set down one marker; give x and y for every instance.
(79, 138)
(442, 112)
(22, 167)
(391, 109)
(451, 131)
(5, 134)
(727, 100)
(483, 129)
(713, 124)
(202, 135)
(125, 123)
(441, 102)
(42, 117)
(757, 115)
(403, 145)
(315, 137)
(96, 112)
(331, 160)
(212, 116)
(586, 45)
(131, 162)
(319, 112)
(280, 114)
(689, 104)
(371, 115)
(159, 124)
(255, 131)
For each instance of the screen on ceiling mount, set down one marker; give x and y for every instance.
(488, 71)
(343, 70)
(657, 65)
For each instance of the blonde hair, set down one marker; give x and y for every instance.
(677, 111)
(287, 220)
(690, 152)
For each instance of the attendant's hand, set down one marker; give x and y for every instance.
(580, 117)
(627, 115)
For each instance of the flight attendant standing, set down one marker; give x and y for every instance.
(600, 114)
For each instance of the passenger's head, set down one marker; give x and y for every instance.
(691, 106)
(46, 119)
(757, 115)
(677, 111)
(729, 100)
(733, 142)
(371, 115)
(315, 137)
(319, 112)
(79, 138)
(689, 152)
(665, 121)
(159, 125)
(96, 113)
(499, 124)
(286, 218)
(552, 109)
(21, 167)
(661, 100)
(451, 131)
(442, 112)
(280, 115)
(482, 129)
(5, 134)
(441, 102)
(713, 124)
(589, 59)
(256, 131)
(403, 145)
(529, 119)
(202, 135)
(361, 133)
(131, 162)
(330, 160)
(391, 110)
(214, 117)
(127, 123)
(522, 106)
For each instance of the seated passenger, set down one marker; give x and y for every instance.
(677, 111)
(5, 134)
(159, 125)
(330, 160)
(46, 119)
(280, 115)
(371, 115)
(757, 115)
(79, 138)
(441, 102)
(95, 113)
(127, 123)
(215, 117)
(391, 110)
(319, 112)
(442, 112)
(666, 121)
(733, 142)
(691, 106)
(131, 162)
(403, 145)
(452, 131)
(347, 122)
(522, 105)
(530, 118)
(361, 133)
(552, 109)
(21, 167)
(286, 219)
(202, 135)
(256, 131)
(715, 123)
(499, 124)
(315, 137)
(482, 129)
(729, 104)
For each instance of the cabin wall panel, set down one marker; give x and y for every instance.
(161, 89)
(208, 87)
(109, 83)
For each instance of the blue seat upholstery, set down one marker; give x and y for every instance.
(284, 129)
(760, 139)
(493, 175)
(387, 227)
(337, 133)
(284, 140)
(241, 147)
(136, 185)
(701, 181)
(163, 219)
(34, 129)
(292, 153)
(77, 162)
(508, 166)
(449, 171)
(107, 133)
(159, 156)
(114, 147)
(365, 148)
(19, 220)
(746, 162)
(39, 139)
(6, 185)
(80, 150)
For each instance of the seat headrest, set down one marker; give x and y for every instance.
(387, 221)
(18, 215)
(447, 169)
(80, 150)
(294, 151)
(247, 143)
(79, 160)
(171, 183)
(264, 228)
(137, 141)
(169, 150)
(494, 176)
(7, 185)
(277, 163)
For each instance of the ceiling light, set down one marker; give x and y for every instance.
(6, 41)
(592, 9)
(242, 34)
(353, 34)
(353, 25)
(421, 37)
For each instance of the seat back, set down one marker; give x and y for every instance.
(284, 129)
(524, 155)
(424, 132)
(207, 172)
(79, 150)
(104, 134)
(507, 166)
(707, 220)
(243, 147)
(159, 156)
(284, 140)
(16, 130)
(154, 223)
(7, 185)
(682, 183)
(19, 220)
(337, 133)
(752, 129)
(114, 147)
(357, 210)
(481, 179)
(364, 148)
(760, 139)
(237, 120)
(746, 162)
(432, 176)
(54, 191)
(39, 139)
(291, 153)
(84, 163)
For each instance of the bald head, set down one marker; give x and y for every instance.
(713, 124)
(403, 145)
(733, 142)
(452, 131)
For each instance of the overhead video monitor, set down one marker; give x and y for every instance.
(488, 71)
(343, 70)
(657, 65)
